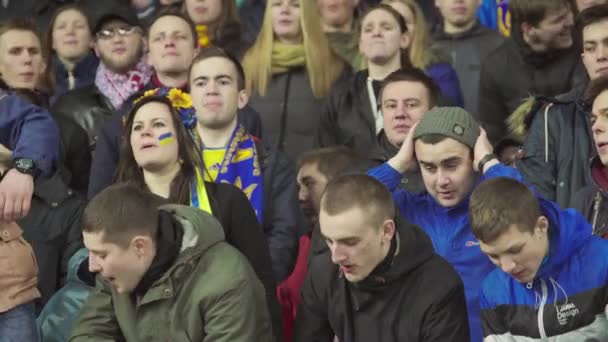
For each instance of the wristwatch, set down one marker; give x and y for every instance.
(25, 165)
(484, 160)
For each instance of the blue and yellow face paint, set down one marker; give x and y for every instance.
(165, 138)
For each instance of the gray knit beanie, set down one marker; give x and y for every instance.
(452, 122)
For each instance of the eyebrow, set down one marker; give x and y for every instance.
(216, 77)
(507, 250)
(340, 239)
(95, 251)
(444, 161)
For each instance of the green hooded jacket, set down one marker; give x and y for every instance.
(209, 294)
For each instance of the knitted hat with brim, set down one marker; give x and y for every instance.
(452, 122)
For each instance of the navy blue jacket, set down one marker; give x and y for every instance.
(450, 233)
(446, 78)
(566, 300)
(29, 131)
(84, 74)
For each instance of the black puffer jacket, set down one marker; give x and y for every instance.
(413, 295)
(513, 72)
(86, 106)
(53, 229)
(558, 148)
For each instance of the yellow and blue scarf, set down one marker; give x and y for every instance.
(198, 193)
(241, 168)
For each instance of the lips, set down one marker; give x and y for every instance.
(200, 10)
(603, 71)
(213, 104)
(347, 268)
(602, 147)
(459, 10)
(401, 128)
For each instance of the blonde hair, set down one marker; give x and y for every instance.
(421, 40)
(322, 64)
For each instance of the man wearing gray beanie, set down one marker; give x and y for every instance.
(454, 155)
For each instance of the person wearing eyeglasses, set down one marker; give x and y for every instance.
(119, 44)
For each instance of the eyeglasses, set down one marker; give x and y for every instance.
(121, 31)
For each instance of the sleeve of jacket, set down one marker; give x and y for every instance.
(539, 163)
(446, 319)
(97, 321)
(234, 315)
(29, 131)
(246, 235)
(492, 111)
(251, 120)
(312, 321)
(73, 236)
(446, 78)
(328, 132)
(491, 322)
(281, 228)
(106, 155)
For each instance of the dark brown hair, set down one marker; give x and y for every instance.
(188, 154)
(591, 16)
(122, 211)
(499, 203)
(413, 74)
(359, 191)
(214, 51)
(595, 88)
(28, 25)
(173, 12)
(534, 11)
(331, 161)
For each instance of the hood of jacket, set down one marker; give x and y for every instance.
(201, 230)
(81, 256)
(520, 120)
(568, 232)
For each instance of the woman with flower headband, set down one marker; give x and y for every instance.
(158, 155)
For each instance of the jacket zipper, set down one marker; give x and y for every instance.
(541, 309)
(596, 210)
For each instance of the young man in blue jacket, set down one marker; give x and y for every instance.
(454, 154)
(30, 141)
(552, 272)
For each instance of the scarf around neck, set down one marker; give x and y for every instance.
(119, 87)
(241, 167)
(287, 56)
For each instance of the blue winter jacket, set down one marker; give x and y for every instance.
(29, 131)
(446, 78)
(568, 298)
(450, 232)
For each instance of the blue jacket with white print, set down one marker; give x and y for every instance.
(567, 299)
(450, 233)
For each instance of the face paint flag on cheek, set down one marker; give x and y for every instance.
(165, 138)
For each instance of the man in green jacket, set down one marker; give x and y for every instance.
(165, 274)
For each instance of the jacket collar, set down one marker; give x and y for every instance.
(476, 30)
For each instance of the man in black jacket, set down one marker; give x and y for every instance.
(539, 59)
(559, 143)
(380, 280)
(468, 42)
